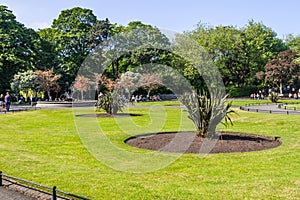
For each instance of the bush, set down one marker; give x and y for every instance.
(206, 112)
(111, 103)
(242, 91)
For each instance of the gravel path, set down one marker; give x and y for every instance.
(13, 191)
(6, 194)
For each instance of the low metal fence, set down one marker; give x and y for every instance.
(53, 191)
(288, 106)
(260, 104)
(288, 112)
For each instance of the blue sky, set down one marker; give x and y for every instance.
(176, 15)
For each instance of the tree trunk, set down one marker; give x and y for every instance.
(201, 133)
(49, 95)
(129, 96)
(280, 87)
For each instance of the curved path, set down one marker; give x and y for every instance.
(7, 194)
(16, 191)
(269, 108)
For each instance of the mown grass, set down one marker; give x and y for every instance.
(161, 103)
(292, 106)
(44, 146)
(235, 102)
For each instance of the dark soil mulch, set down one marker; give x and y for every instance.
(105, 115)
(187, 142)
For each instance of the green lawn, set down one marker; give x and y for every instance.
(292, 106)
(43, 146)
(235, 102)
(161, 103)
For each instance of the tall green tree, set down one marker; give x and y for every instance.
(73, 35)
(135, 45)
(18, 47)
(239, 53)
(294, 44)
(262, 45)
(69, 36)
(47, 55)
(100, 32)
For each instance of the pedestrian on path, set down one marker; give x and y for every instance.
(7, 100)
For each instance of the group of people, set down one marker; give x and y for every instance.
(5, 101)
(262, 94)
(295, 95)
(258, 95)
(138, 98)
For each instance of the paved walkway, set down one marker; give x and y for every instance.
(7, 194)
(14, 191)
(18, 108)
(270, 108)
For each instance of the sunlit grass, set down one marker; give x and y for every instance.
(44, 146)
(235, 102)
(161, 103)
(243, 102)
(292, 106)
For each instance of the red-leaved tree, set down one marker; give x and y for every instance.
(48, 81)
(150, 82)
(128, 82)
(282, 70)
(81, 84)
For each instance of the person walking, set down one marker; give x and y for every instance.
(7, 100)
(2, 104)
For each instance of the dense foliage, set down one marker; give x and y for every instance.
(239, 53)
(18, 48)
(36, 81)
(281, 70)
(24, 81)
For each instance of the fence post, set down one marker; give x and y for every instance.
(1, 184)
(54, 193)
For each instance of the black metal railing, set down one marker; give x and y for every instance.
(53, 191)
(288, 112)
(260, 104)
(288, 106)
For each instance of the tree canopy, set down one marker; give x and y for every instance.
(71, 32)
(282, 70)
(18, 47)
(24, 81)
(239, 53)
